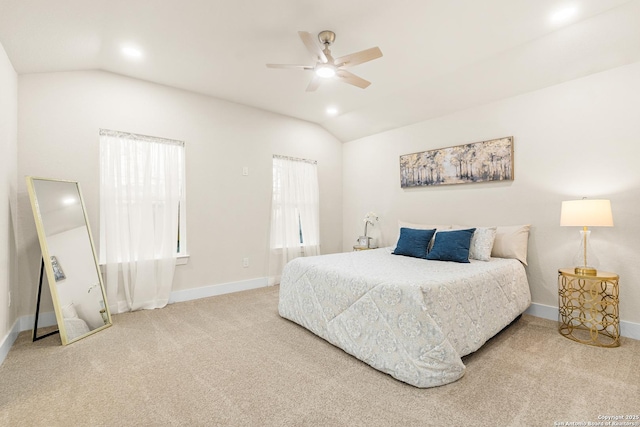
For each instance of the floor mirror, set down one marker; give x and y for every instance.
(69, 260)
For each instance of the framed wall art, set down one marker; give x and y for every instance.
(57, 269)
(476, 162)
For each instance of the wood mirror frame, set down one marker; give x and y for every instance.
(69, 258)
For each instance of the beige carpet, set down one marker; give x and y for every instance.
(231, 360)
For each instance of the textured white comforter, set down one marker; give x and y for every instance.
(411, 318)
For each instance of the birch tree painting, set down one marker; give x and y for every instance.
(477, 162)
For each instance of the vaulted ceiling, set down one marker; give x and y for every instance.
(439, 55)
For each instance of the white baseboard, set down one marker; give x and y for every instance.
(544, 311)
(213, 290)
(8, 340)
(44, 320)
(627, 329)
(24, 323)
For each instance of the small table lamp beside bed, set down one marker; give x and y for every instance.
(413, 310)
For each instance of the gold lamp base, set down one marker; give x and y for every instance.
(586, 271)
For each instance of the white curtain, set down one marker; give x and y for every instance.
(140, 181)
(295, 213)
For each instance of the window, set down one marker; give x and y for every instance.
(295, 212)
(295, 203)
(142, 197)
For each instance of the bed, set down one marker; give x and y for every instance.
(411, 318)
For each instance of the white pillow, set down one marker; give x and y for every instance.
(482, 243)
(69, 311)
(511, 242)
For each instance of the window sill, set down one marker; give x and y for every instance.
(293, 247)
(180, 260)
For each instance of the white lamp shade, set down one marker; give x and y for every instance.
(586, 213)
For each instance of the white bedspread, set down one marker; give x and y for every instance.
(411, 318)
(75, 327)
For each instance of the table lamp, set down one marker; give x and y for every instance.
(586, 213)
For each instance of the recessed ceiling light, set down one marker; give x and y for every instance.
(564, 14)
(332, 111)
(132, 52)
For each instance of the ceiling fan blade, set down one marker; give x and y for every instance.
(312, 46)
(358, 57)
(295, 67)
(314, 83)
(352, 79)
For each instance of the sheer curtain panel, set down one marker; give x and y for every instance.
(295, 213)
(141, 179)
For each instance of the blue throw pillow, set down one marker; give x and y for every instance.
(413, 242)
(452, 246)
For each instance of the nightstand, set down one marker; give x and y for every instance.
(361, 248)
(588, 307)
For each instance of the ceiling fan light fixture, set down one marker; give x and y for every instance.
(131, 52)
(326, 71)
(564, 15)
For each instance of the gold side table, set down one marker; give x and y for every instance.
(588, 307)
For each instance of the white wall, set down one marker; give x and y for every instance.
(580, 138)
(227, 213)
(8, 202)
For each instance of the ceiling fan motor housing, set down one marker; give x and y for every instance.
(327, 37)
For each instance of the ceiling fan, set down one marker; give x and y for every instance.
(326, 66)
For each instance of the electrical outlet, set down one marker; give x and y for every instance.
(245, 171)
(245, 262)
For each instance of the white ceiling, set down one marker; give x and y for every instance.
(439, 55)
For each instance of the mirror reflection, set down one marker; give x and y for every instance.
(69, 258)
